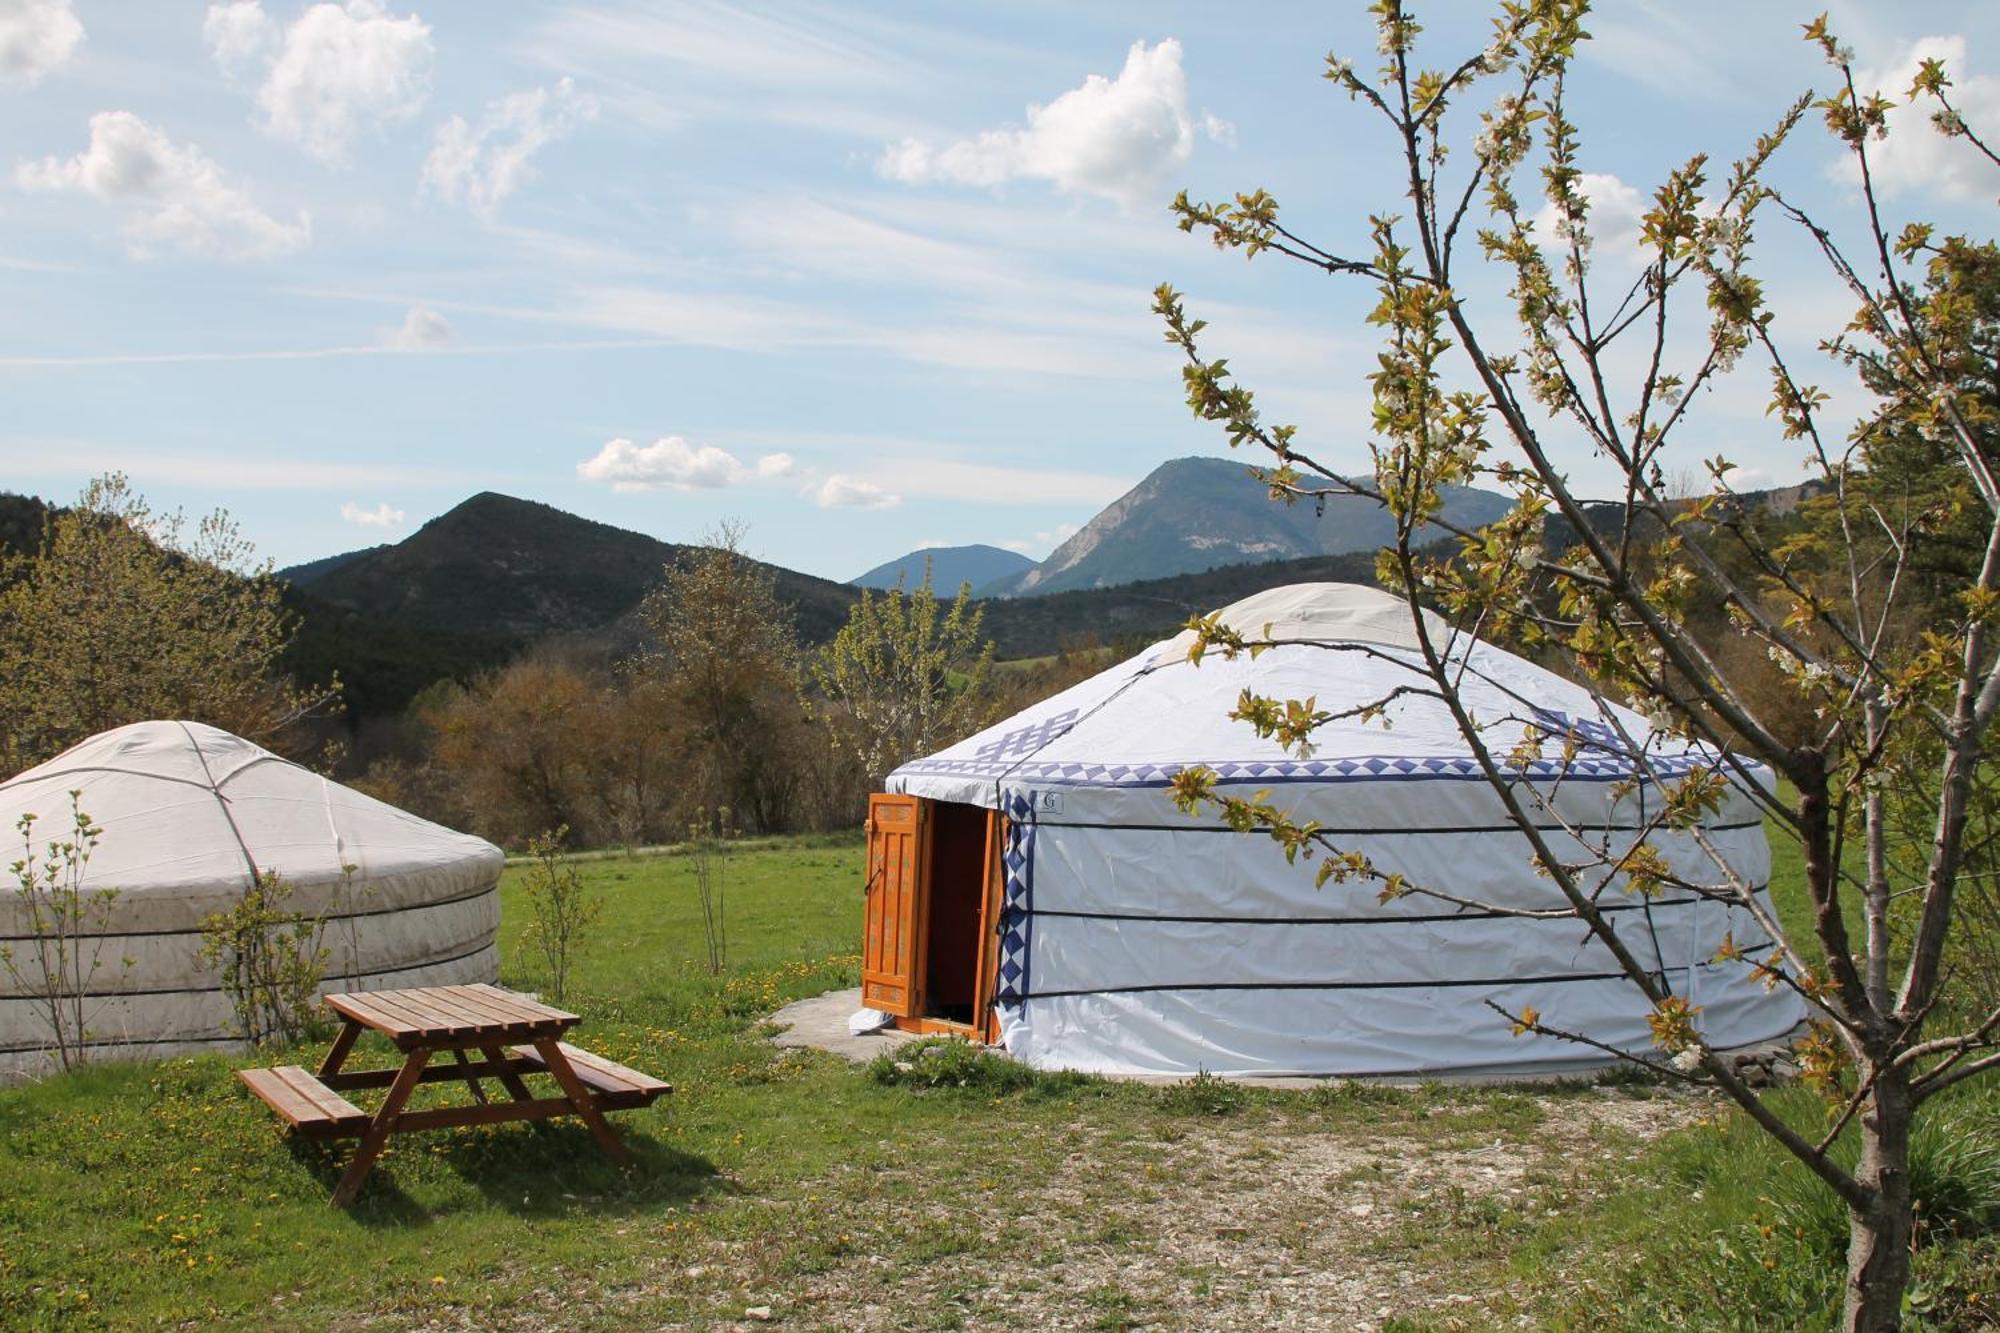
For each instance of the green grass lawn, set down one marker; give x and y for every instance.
(964, 1194)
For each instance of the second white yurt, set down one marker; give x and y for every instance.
(1035, 885)
(189, 816)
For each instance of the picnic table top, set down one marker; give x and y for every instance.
(424, 1013)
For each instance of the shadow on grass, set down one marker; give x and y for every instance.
(541, 1170)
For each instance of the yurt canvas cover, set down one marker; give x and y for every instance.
(189, 815)
(1039, 879)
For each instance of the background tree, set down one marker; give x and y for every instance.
(724, 656)
(1894, 664)
(1910, 504)
(123, 614)
(520, 747)
(904, 676)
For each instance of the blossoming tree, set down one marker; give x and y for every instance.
(1803, 644)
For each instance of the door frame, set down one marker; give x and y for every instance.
(993, 894)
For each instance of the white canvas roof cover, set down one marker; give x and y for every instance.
(189, 813)
(1139, 939)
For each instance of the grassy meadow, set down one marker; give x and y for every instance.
(960, 1192)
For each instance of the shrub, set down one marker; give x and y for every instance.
(1954, 1178)
(708, 848)
(272, 961)
(561, 910)
(1734, 1233)
(1204, 1094)
(66, 923)
(948, 1062)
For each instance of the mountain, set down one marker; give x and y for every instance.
(950, 566)
(498, 567)
(22, 518)
(300, 576)
(1193, 514)
(1134, 614)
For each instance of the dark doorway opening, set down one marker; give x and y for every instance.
(957, 878)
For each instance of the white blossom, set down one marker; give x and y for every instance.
(1688, 1061)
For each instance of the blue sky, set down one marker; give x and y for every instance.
(863, 277)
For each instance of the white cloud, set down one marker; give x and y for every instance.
(1915, 156)
(36, 36)
(843, 492)
(1613, 220)
(1118, 137)
(671, 463)
(923, 466)
(422, 328)
(481, 167)
(950, 479)
(63, 457)
(340, 69)
(175, 196)
(381, 516)
(1043, 542)
(1673, 53)
(239, 35)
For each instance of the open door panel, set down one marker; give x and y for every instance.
(985, 1017)
(893, 930)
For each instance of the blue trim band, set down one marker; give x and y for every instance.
(1368, 768)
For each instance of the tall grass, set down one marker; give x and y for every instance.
(1725, 1229)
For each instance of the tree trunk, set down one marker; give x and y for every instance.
(1878, 1244)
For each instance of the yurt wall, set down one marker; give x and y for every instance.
(188, 816)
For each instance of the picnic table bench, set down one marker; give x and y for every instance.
(425, 1021)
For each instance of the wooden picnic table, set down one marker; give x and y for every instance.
(460, 1019)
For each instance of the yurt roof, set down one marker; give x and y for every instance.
(185, 807)
(1343, 646)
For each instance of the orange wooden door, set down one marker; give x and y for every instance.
(893, 929)
(985, 1022)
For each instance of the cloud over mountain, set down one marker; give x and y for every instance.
(381, 516)
(671, 463)
(843, 492)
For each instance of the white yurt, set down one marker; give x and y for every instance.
(189, 816)
(1035, 885)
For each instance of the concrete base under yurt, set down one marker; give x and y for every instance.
(190, 815)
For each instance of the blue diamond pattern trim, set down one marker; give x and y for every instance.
(1368, 768)
(1017, 900)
